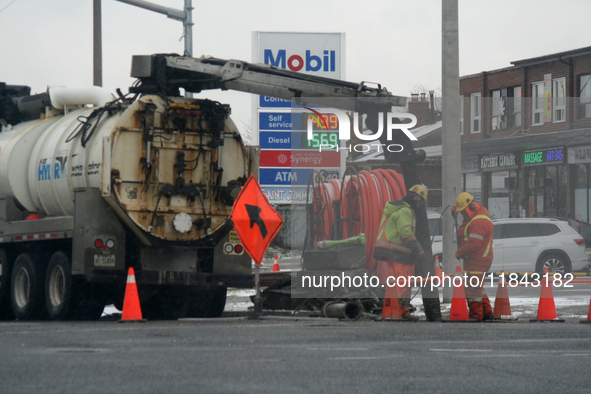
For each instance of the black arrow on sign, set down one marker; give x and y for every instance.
(254, 213)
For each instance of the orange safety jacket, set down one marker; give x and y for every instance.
(475, 239)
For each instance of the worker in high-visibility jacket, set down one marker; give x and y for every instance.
(475, 237)
(397, 244)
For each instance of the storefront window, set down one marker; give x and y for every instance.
(547, 191)
(502, 195)
(473, 185)
(562, 191)
(581, 191)
(551, 185)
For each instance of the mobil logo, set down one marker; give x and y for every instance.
(308, 60)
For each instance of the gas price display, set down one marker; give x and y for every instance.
(321, 126)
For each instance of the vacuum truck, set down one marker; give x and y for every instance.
(91, 185)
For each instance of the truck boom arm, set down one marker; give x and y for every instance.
(168, 73)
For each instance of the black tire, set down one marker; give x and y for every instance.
(5, 270)
(60, 289)
(210, 304)
(167, 303)
(555, 262)
(27, 288)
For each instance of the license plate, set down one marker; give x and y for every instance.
(104, 260)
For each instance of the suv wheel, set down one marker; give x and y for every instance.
(555, 262)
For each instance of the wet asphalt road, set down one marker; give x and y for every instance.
(288, 355)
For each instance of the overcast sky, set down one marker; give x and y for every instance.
(396, 43)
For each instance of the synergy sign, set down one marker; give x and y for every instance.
(289, 153)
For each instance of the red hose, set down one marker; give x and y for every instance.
(363, 197)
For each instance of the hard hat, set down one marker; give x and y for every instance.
(463, 200)
(420, 190)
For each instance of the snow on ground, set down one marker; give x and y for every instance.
(238, 300)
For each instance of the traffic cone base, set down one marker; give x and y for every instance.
(546, 307)
(502, 304)
(132, 311)
(459, 308)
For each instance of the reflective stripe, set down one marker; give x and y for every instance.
(393, 246)
(474, 235)
(410, 239)
(480, 237)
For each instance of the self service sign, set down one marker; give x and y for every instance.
(287, 155)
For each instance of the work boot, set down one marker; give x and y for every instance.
(409, 317)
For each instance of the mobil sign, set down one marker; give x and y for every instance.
(287, 157)
(321, 54)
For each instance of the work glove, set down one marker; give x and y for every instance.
(454, 211)
(416, 247)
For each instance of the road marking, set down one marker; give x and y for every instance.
(495, 355)
(579, 354)
(460, 350)
(258, 361)
(356, 358)
(337, 349)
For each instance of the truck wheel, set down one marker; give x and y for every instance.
(27, 288)
(217, 303)
(209, 304)
(168, 303)
(5, 308)
(59, 288)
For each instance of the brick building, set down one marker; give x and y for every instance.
(526, 136)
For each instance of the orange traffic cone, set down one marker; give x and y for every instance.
(546, 307)
(459, 308)
(131, 303)
(588, 315)
(275, 265)
(437, 267)
(502, 304)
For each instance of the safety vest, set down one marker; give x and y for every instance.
(394, 241)
(466, 237)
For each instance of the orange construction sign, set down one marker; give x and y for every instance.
(256, 222)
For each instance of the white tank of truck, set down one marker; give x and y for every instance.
(155, 145)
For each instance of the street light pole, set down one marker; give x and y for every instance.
(97, 50)
(185, 16)
(451, 144)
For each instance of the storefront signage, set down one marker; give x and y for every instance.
(579, 154)
(543, 156)
(470, 164)
(497, 161)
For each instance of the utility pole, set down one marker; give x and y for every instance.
(97, 50)
(185, 16)
(451, 144)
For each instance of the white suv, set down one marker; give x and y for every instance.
(532, 244)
